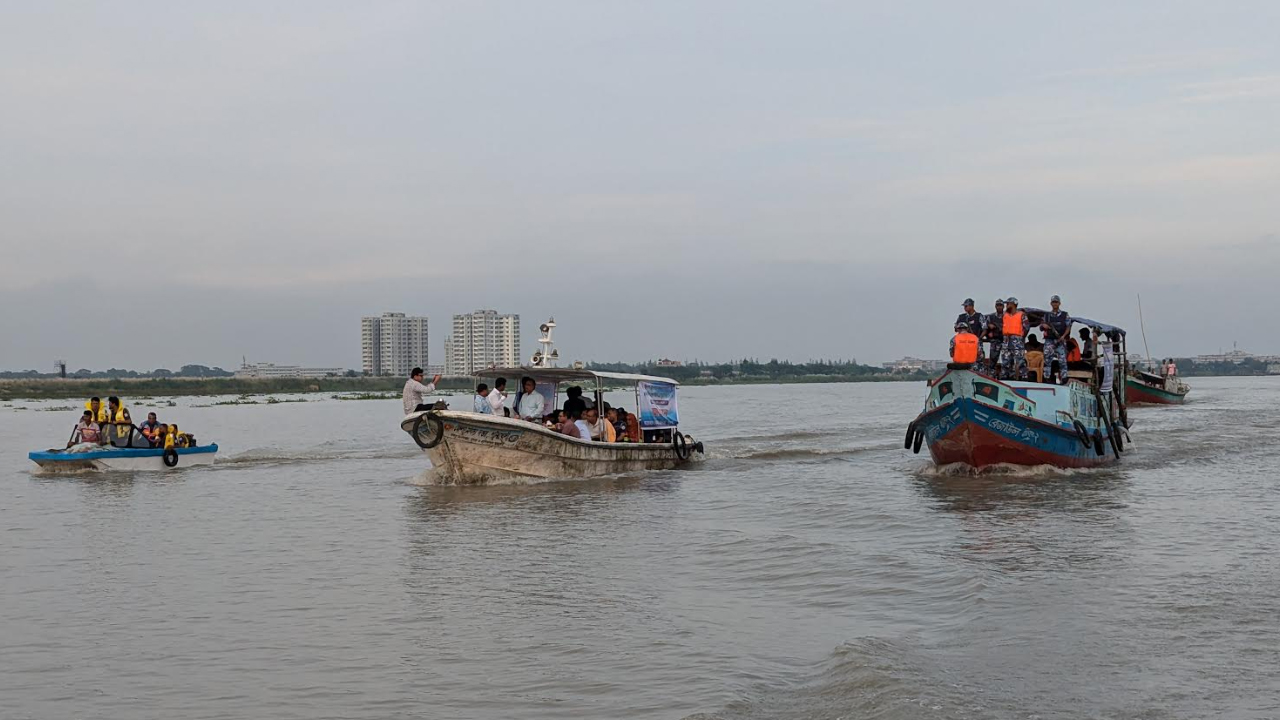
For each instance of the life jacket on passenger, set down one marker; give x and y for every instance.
(1073, 351)
(1013, 324)
(966, 350)
(100, 415)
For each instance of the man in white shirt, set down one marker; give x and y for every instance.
(529, 402)
(415, 392)
(498, 396)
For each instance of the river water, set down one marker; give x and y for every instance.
(811, 568)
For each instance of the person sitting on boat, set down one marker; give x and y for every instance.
(497, 397)
(615, 417)
(161, 435)
(1057, 329)
(994, 337)
(574, 401)
(601, 429)
(481, 402)
(99, 413)
(572, 425)
(965, 345)
(582, 424)
(529, 402)
(149, 428)
(1035, 359)
(1013, 353)
(1074, 353)
(87, 430)
(415, 392)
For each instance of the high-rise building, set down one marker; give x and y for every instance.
(482, 339)
(393, 344)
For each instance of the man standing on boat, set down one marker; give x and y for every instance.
(1057, 330)
(1013, 353)
(498, 396)
(415, 392)
(994, 337)
(974, 321)
(529, 402)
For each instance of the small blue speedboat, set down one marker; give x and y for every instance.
(114, 458)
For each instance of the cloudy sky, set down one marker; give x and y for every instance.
(190, 182)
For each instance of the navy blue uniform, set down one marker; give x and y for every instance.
(1055, 342)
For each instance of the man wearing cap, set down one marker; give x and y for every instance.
(1013, 353)
(974, 321)
(965, 345)
(1057, 330)
(993, 336)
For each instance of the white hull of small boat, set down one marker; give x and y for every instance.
(469, 448)
(121, 459)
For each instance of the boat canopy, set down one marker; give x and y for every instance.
(514, 374)
(1097, 326)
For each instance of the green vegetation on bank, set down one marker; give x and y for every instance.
(162, 387)
(749, 371)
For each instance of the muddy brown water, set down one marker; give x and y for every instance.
(811, 568)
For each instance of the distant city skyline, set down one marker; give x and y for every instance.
(712, 180)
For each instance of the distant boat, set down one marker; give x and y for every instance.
(1149, 388)
(979, 421)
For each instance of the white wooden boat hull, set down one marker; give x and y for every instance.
(476, 448)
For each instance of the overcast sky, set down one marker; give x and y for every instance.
(189, 183)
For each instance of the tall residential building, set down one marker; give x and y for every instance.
(482, 339)
(393, 344)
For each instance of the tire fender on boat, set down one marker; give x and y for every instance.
(917, 442)
(1082, 433)
(681, 445)
(170, 457)
(911, 436)
(1098, 443)
(434, 433)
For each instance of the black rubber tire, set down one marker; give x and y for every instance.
(1098, 446)
(170, 457)
(917, 442)
(434, 433)
(1083, 433)
(911, 436)
(681, 445)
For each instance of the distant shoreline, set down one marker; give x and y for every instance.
(61, 389)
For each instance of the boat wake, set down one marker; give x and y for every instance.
(929, 470)
(867, 678)
(316, 454)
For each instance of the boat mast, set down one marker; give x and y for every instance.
(1143, 325)
(546, 357)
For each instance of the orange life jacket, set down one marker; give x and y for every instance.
(966, 348)
(1013, 324)
(1073, 351)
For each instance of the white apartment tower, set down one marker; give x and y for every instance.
(482, 339)
(393, 344)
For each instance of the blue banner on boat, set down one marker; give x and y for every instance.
(657, 405)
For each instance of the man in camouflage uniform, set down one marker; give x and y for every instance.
(975, 322)
(992, 335)
(1013, 353)
(1057, 330)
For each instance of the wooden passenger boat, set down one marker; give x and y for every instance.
(1147, 388)
(472, 448)
(979, 421)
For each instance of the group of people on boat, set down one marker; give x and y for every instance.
(112, 425)
(1012, 352)
(580, 417)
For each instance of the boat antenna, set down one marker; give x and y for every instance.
(1142, 324)
(546, 357)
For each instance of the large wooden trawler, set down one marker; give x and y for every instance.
(974, 419)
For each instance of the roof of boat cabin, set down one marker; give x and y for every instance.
(1100, 326)
(560, 374)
